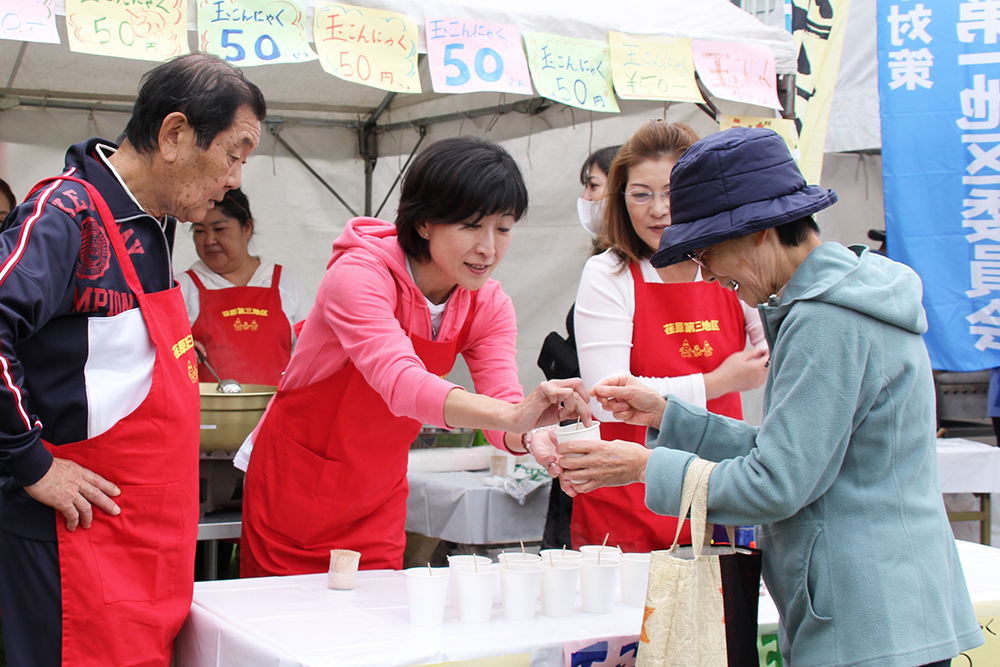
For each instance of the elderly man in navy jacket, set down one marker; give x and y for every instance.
(98, 381)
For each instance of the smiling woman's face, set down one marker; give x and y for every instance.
(651, 218)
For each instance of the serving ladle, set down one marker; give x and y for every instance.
(224, 386)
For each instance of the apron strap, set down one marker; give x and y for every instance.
(110, 226)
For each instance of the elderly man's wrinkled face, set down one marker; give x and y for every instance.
(202, 177)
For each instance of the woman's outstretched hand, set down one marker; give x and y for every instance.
(550, 403)
(630, 400)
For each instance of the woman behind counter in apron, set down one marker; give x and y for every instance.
(678, 333)
(398, 303)
(242, 308)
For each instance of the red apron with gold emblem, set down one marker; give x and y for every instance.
(128, 580)
(244, 330)
(328, 471)
(678, 329)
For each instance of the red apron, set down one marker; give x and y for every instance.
(244, 330)
(128, 580)
(328, 471)
(678, 329)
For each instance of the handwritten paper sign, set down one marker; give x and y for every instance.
(783, 126)
(576, 72)
(254, 32)
(372, 47)
(644, 69)
(737, 71)
(29, 21)
(137, 29)
(468, 56)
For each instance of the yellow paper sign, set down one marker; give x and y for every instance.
(783, 126)
(644, 69)
(372, 47)
(254, 32)
(576, 72)
(137, 29)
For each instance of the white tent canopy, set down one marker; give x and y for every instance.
(54, 97)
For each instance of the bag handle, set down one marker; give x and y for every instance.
(694, 499)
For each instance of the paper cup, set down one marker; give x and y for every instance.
(634, 577)
(343, 569)
(578, 432)
(558, 587)
(427, 591)
(475, 592)
(598, 584)
(591, 551)
(519, 587)
(518, 557)
(464, 559)
(559, 554)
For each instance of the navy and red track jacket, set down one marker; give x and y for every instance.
(75, 354)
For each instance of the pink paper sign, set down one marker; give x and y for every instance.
(737, 71)
(29, 21)
(468, 56)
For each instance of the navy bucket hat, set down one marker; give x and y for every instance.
(733, 183)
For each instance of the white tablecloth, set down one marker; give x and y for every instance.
(966, 466)
(457, 507)
(298, 622)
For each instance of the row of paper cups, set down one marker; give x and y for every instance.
(553, 575)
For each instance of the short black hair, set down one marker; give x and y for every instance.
(793, 233)
(235, 205)
(207, 90)
(454, 180)
(602, 157)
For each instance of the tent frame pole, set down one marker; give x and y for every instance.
(368, 146)
(275, 130)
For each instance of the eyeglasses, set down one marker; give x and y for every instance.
(698, 257)
(644, 197)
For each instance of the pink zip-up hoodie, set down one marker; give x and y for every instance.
(366, 306)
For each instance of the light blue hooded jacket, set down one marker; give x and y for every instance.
(842, 473)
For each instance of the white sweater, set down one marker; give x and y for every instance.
(605, 307)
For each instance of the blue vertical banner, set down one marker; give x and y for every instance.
(939, 93)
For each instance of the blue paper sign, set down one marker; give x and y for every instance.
(939, 92)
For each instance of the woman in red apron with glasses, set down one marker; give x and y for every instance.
(675, 332)
(397, 305)
(242, 308)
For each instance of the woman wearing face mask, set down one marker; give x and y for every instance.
(677, 333)
(398, 303)
(242, 308)
(594, 177)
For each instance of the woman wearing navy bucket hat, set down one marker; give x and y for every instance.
(841, 475)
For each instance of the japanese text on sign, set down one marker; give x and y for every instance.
(653, 70)
(29, 21)
(467, 56)
(737, 71)
(783, 126)
(254, 32)
(910, 67)
(368, 46)
(611, 652)
(137, 29)
(979, 24)
(576, 72)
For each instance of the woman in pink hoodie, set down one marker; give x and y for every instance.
(397, 304)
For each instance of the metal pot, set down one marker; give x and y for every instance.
(227, 419)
